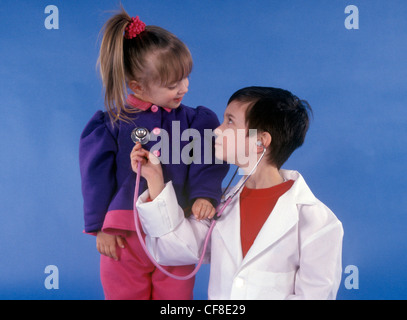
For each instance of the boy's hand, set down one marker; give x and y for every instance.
(202, 209)
(107, 244)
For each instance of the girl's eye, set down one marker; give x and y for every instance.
(230, 121)
(172, 86)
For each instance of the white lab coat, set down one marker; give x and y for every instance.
(296, 255)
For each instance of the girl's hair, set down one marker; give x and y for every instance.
(154, 55)
(279, 113)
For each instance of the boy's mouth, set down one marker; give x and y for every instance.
(218, 144)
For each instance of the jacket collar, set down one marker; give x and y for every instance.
(135, 102)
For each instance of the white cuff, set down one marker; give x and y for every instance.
(162, 215)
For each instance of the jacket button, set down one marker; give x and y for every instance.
(156, 153)
(154, 108)
(156, 131)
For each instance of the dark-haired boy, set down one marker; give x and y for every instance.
(275, 240)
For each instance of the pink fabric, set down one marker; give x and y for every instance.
(118, 222)
(134, 277)
(142, 105)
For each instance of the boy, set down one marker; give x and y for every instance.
(275, 240)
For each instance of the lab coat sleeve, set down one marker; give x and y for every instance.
(320, 270)
(171, 238)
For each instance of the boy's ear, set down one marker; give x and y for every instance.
(136, 87)
(265, 139)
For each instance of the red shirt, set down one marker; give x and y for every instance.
(255, 207)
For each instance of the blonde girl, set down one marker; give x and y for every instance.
(145, 72)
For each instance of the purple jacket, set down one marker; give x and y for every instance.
(108, 181)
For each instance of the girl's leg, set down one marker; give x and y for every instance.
(130, 277)
(167, 288)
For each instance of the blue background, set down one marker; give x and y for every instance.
(353, 159)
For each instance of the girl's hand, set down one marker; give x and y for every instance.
(107, 244)
(202, 209)
(151, 169)
(150, 164)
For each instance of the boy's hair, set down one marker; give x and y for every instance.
(154, 55)
(279, 113)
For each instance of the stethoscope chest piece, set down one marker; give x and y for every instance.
(141, 135)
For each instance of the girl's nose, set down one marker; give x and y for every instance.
(184, 86)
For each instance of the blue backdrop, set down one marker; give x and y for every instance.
(353, 159)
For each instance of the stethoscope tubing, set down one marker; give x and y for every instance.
(144, 246)
(209, 233)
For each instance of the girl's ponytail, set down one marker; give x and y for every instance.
(111, 63)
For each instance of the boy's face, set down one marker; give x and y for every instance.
(232, 143)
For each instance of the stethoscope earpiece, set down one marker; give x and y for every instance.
(260, 144)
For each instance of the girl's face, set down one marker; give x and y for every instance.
(232, 144)
(166, 96)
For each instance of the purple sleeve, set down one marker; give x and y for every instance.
(205, 179)
(97, 152)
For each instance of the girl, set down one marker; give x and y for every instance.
(154, 65)
(275, 240)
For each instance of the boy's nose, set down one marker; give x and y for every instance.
(217, 131)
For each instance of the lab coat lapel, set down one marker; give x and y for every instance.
(229, 229)
(284, 215)
(280, 221)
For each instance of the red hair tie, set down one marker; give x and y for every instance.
(134, 28)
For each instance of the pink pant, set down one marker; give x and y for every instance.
(134, 277)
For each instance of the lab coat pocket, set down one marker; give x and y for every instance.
(265, 285)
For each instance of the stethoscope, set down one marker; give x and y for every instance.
(142, 135)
